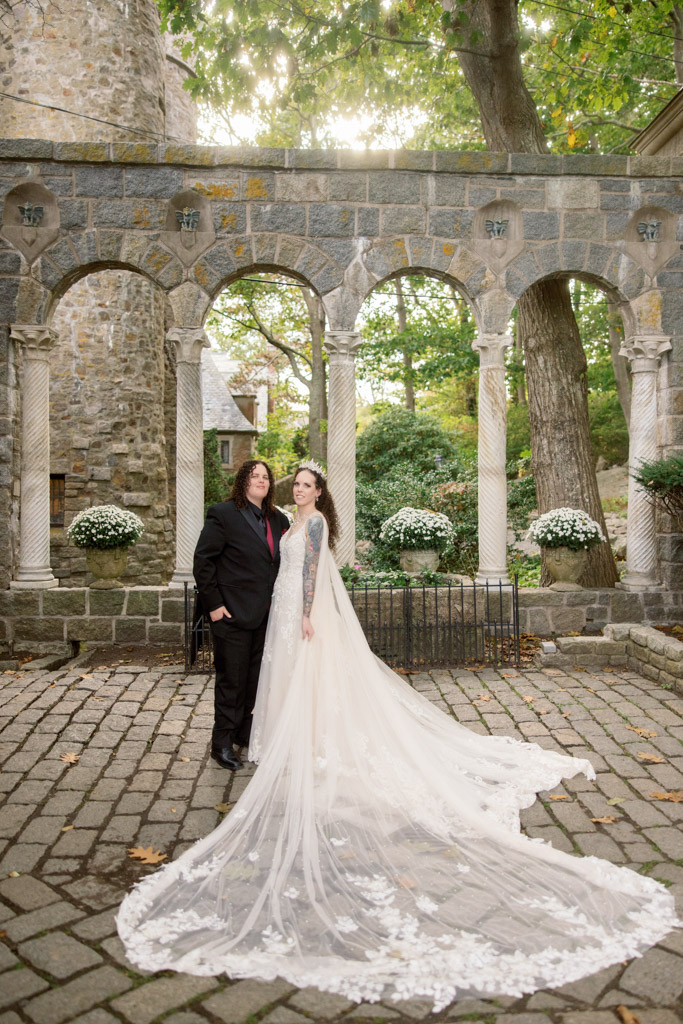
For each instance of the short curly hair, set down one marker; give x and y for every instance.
(241, 484)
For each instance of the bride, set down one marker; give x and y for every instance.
(376, 851)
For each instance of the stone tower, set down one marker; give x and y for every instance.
(112, 392)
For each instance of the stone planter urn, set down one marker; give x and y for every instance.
(106, 565)
(565, 566)
(419, 559)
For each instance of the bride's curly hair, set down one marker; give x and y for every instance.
(241, 484)
(324, 504)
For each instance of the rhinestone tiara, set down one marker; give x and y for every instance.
(314, 467)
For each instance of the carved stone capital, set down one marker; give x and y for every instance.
(491, 348)
(645, 351)
(189, 342)
(341, 346)
(36, 339)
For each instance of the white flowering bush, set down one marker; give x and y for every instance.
(105, 526)
(566, 527)
(415, 528)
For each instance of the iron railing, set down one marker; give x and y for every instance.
(441, 625)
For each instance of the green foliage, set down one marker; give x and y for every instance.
(378, 500)
(662, 479)
(608, 430)
(353, 576)
(527, 568)
(399, 436)
(518, 436)
(277, 444)
(216, 483)
(521, 502)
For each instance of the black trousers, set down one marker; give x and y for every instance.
(237, 655)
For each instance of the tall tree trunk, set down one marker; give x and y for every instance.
(619, 363)
(316, 398)
(407, 357)
(547, 325)
(562, 456)
(521, 390)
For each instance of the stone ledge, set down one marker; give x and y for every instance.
(642, 648)
(442, 161)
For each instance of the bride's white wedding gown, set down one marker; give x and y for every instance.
(376, 851)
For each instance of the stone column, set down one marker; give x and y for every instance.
(492, 439)
(34, 570)
(189, 342)
(641, 542)
(341, 347)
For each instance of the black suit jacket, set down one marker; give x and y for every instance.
(233, 565)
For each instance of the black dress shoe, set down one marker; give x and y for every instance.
(226, 758)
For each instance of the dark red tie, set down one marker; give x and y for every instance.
(269, 537)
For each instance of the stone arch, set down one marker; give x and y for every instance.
(602, 264)
(61, 285)
(112, 413)
(230, 259)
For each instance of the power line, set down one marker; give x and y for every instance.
(89, 117)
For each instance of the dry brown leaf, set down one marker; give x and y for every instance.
(86, 675)
(608, 819)
(641, 732)
(529, 699)
(626, 1016)
(483, 696)
(674, 797)
(562, 689)
(179, 697)
(70, 758)
(405, 883)
(146, 854)
(223, 808)
(589, 689)
(558, 796)
(652, 758)
(616, 800)
(577, 668)
(14, 874)
(566, 714)
(67, 828)
(184, 759)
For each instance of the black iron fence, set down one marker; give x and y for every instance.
(441, 625)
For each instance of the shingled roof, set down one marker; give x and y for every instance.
(220, 410)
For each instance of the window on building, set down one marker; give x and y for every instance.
(225, 453)
(57, 498)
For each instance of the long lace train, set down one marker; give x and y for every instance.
(376, 851)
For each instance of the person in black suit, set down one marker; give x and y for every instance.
(235, 564)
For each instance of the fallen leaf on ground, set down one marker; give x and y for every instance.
(674, 797)
(509, 675)
(184, 759)
(67, 828)
(566, 714)
(615, 800)
(179, 697)
(558, 796)
(653, 758)
(70, 758)
(641, 732)
(405, 883)
(146, 854)
(589, 689)
(562, 689)
(86, 675)
(608, 819)
(14, 874)
(577, 668)
(483, 696)
(528, 699)
(608, 668)
(626, 1017)
(223, 808)
(407, 671)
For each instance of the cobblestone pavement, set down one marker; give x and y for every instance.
(143, 778)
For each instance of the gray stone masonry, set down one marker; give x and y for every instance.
(54, 620)
(342, 222)
(144, 777)
(642, 648)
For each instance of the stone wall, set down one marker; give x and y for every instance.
(547, 612)
(107, 425)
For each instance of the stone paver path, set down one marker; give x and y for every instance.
(143, 778)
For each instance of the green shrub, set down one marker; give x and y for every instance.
(608, 430)
(217, 484)
(518, 436)
(400, 436)
(663, 481)
(521, 502)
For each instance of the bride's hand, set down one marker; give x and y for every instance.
(306, 628)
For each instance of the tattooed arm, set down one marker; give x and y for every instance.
(314, 537)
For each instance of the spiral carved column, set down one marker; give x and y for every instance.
(34, 570)
(341, 347)
(492, 442)
(641, 539)
(189, 342)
